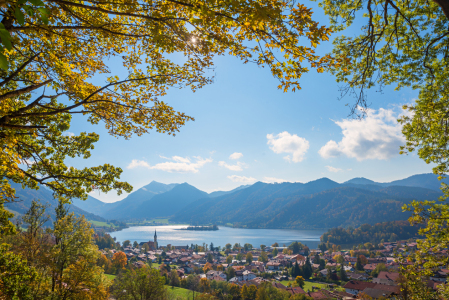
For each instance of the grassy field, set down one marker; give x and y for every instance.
(98, 223)
(110, 276)
(183, 293)
(307, 285)
(155, 265)
(163, 221)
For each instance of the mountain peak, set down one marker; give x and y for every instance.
(361, 180)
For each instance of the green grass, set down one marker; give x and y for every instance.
(162, 221)
(155, 265)
(307, 285)
(102, 224)
(110, 276)
(183, 293)
(165, 221)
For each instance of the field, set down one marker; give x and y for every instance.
(110, 276)
(155, 265)
(307, 285)
(177, 291)
(102, 224)
(148, 222)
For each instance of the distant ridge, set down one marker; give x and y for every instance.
(26, 196)
(265, 205)
(362, 180)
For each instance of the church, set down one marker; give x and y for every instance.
(153, 244)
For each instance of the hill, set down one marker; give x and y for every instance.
(276, 205)
(26, 196)
(311, 205)
(428, 181)
(128, 207)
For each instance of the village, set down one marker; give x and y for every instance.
(371, 273)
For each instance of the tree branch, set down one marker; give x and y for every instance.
(24, 90)
(8, 79)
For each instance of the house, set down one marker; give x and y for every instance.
(348, 268)
(375, 293)
(439, 276)
(384, 281)
(218, 278)
(211, 274)
(354, 286)
(295, 290)
(279, 285)
(141, 257)
(273, 265)
(356, 276)
(369, 268)
(389, 275)
(234, 280)
(139, 264)
(248, 275)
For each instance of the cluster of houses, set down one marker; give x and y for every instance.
(360, 283)
(387, 283)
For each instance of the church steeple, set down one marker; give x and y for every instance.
(155, 239)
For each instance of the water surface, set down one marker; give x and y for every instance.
(172, 235)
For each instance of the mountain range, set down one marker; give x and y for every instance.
(321, 203)
(45, 196)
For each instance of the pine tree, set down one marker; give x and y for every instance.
(359, 265)
(342, 274)
(307, 269)
(296, 270)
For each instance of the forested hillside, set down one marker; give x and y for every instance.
(386, 231)
(26, 196)
(264, 206)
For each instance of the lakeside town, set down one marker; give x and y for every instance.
(364, 272)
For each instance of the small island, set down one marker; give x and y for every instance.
(201, 228)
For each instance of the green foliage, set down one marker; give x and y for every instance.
(267, 292)
(142, 284)
(342, 273)
(65, 254)
(379, 268)
(104, 240)
(406, 43)
(15, 275)
(296, 247)
(263, 257)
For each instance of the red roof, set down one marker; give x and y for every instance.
(388, 275)
(388, 288)
(317, 295)
(359, 285)
(295, 290)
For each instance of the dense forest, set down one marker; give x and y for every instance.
(375, 234)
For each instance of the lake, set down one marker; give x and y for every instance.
(171, 234)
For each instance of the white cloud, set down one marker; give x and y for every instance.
(285, 142)
(242, 179)
(332, 169)
(135, 163)
(273, 180)
(178, 164)
(377, 136)
(237, 167)
(235, 155)
(68, 133)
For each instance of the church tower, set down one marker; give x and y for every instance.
(155, 239)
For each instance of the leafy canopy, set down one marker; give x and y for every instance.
(405, 43)
(52, 62)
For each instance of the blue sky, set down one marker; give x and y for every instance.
(246, 130)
